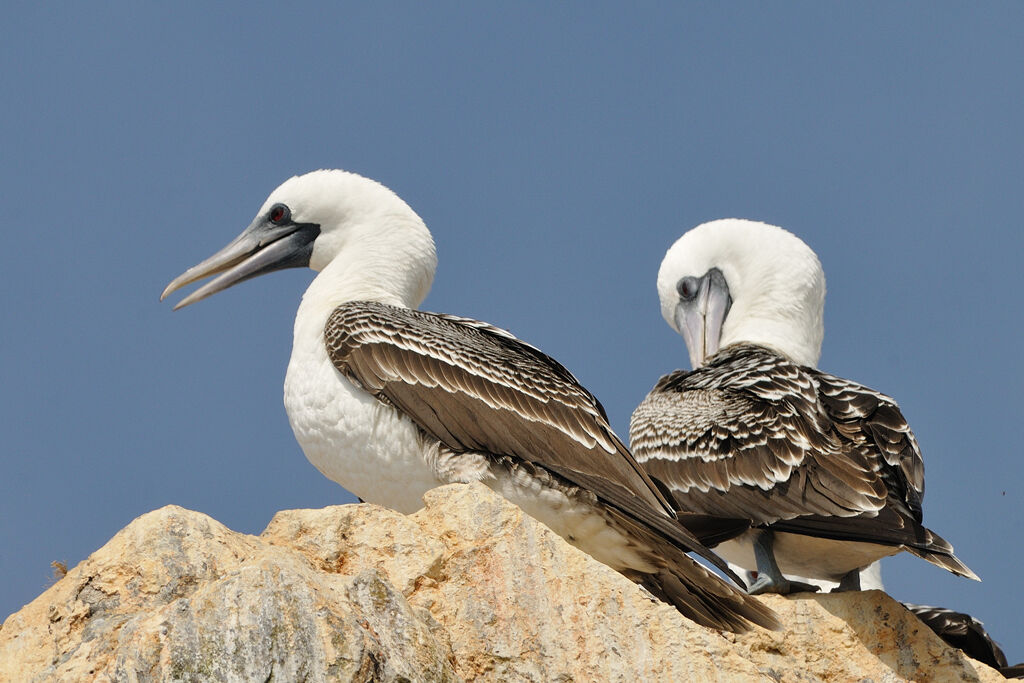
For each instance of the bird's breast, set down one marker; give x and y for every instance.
(368, 447)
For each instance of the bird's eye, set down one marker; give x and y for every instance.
(688, 288)
(278, 214)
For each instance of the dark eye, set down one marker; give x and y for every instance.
(688, 287)
(278, 214)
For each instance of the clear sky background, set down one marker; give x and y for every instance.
(555, 150)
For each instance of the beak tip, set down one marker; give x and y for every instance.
(175, 285)
(197, 295)
(170, 289)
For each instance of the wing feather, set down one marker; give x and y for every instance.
(475, 387)
(782, 440)
(752, 434)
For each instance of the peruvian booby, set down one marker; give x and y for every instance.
(827, 471)
(390, 401)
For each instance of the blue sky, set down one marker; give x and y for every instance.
(556, 151)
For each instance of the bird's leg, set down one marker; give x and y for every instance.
(769, 576)
(850, 582)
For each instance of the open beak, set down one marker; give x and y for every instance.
(700, 320)
(263, 247)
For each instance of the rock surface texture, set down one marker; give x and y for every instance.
(468, 588)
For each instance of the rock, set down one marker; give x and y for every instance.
(468, 588)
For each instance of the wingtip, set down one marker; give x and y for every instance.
(762, 615)
(947, 561)
(952, 564)
(706, 599)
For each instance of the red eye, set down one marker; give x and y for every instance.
(278, 213)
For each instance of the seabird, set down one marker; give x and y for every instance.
(390, 401)
(827, 471)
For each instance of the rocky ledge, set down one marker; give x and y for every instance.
(468, 588)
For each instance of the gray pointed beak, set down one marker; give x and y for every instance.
(700, 320)
(263, 247)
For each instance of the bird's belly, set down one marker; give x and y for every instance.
(806, 556)
(574, 518)
(355, 440)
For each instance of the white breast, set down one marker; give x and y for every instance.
(352, 438)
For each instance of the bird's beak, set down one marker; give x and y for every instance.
(263, 247)
(701, 319)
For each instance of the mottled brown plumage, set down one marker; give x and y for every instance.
(753, 434)
(391, 402)
(476, 389)
(966, 633)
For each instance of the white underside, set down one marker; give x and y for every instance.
(806, 556)
(575, 520)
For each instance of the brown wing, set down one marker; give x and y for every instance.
(873, 424)
(747, 436)
(788, 446)
(475, 387)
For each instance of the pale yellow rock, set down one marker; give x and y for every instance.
(347, 538)
(467, 588)
(177, 596)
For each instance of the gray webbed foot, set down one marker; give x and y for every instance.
(769, 576)
(765, 584)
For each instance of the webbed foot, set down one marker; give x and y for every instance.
(780, 586)
(769, 576)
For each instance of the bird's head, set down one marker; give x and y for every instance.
(317, 219)
(733, 280)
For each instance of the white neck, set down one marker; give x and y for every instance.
(391, 264)
(790, 323)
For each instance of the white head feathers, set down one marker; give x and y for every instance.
(775, 282)
(379, 247)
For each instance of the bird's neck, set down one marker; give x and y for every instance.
(375, 268)
(798, 340)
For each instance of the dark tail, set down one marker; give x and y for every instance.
(706, 599)
(939, 552)
(888, 527)
(961, 631)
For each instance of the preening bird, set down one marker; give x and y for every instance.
(827, 471)
(390, 401)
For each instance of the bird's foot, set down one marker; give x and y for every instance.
(780, 586)
(769, 576)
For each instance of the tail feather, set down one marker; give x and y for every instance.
(703, 597)
(888, 527)
(657, 556)
(961, 631)
(946, 560)
(693, 589)
(937, 550)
